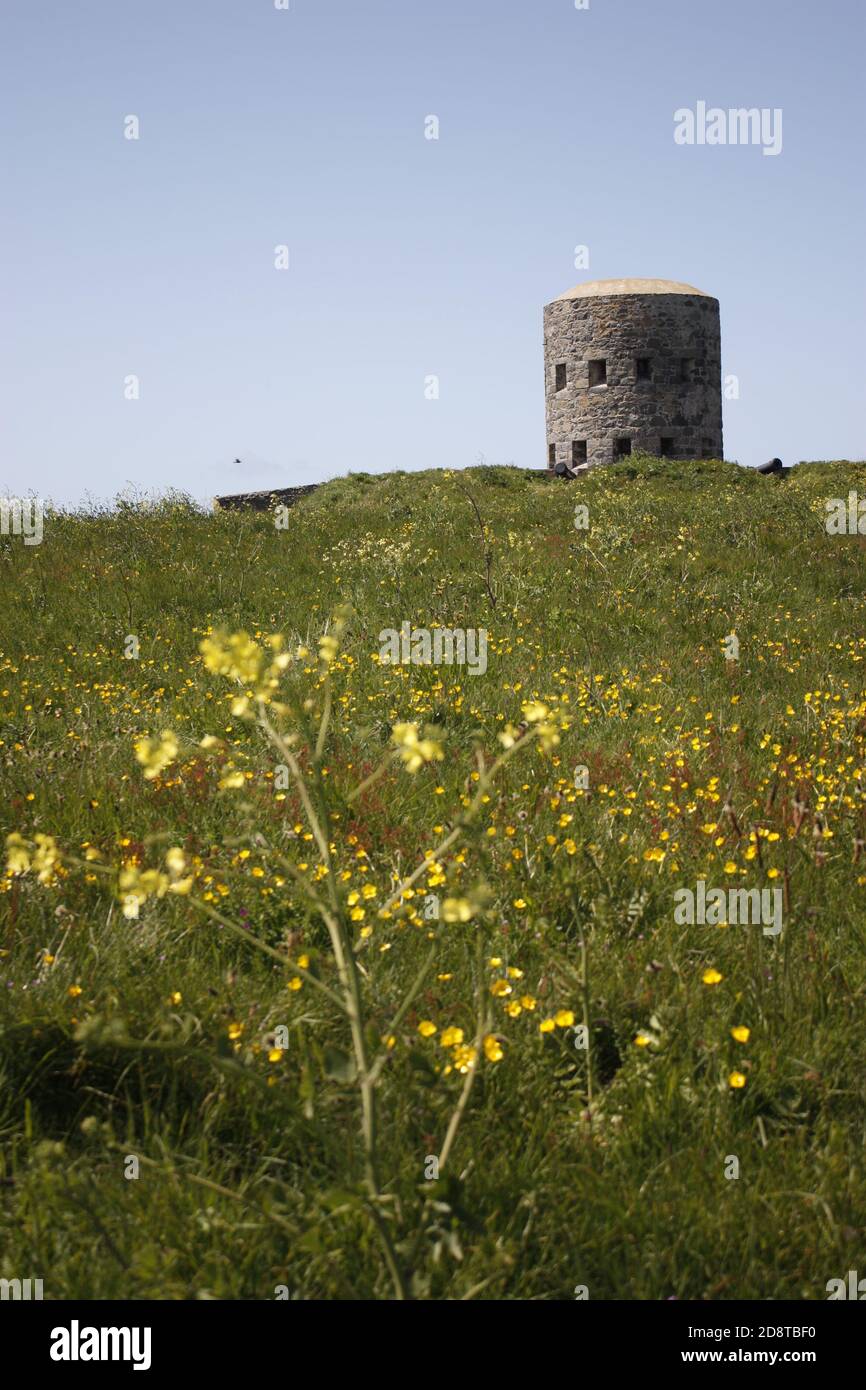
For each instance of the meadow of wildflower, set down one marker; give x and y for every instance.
(324, 976)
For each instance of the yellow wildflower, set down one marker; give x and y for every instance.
(415, 751)
(493, 1048)
(155, 755)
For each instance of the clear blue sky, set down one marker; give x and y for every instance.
(408, 257)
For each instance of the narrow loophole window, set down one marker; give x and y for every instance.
(643, 369)
(561, 376)
(551, 454)
(598, 372)
(666, 447)
(578, 451)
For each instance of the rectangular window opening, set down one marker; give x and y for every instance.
(578, 451)
(598, 372)
(551, 454)
(666, 447)
(687, 368)
(621, 448)
(561, 376)
(643, 369)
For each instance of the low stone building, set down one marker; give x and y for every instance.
(632, 365)
(263, 501)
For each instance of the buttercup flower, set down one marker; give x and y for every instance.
(493, 1048)
(155, 755)
(415, 751)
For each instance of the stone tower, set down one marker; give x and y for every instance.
(632, 365)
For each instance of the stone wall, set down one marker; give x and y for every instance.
(680, 403)
(264, 501)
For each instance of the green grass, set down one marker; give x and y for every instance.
(607, 1172)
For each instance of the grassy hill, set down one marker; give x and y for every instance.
(378, 919)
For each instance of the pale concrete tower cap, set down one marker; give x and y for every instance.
(602, 288)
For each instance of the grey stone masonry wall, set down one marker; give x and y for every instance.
(662, 388)
(263, 501)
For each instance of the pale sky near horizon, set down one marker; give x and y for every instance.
(408, 257)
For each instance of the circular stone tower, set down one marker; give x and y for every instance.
(632, 365)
